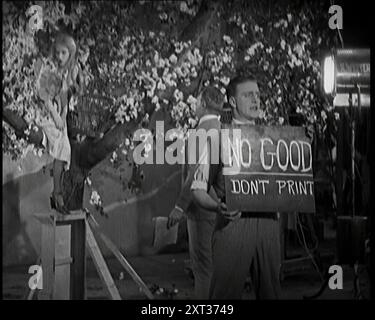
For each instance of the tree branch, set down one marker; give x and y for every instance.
(94, 152)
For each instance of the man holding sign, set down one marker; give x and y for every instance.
(242, 241)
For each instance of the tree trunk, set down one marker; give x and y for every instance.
(74, 180)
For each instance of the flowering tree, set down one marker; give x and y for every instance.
(141, 57)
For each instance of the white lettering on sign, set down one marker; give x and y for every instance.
(268, 169)
(253, 187)
(262, 159)
(294, 166)
(258, 186)
(285, 165)
(243, 163)
(295, 155)
(294, 187)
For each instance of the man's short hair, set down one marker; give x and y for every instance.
(213, 98)
(232, 86)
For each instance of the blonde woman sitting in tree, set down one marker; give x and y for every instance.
(54, 87)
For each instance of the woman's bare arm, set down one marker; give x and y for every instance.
(64, 111)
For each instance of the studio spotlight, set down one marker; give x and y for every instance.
(329, 75)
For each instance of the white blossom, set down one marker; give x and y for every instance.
(88, 181)
(282, 44)
(323, 115)
(298, 49)
(114, 156)
(95, 198)
(262, 114)
(243, 29)
(178, 95)
(227, 39)
(163, 16)
(179, 47)
(184, 7)
(161, 85)
(296, 30)
(225, 80)
(155, 100)
(191, 100)
(251, 50)
(173, 58)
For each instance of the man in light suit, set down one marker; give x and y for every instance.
(200, 222)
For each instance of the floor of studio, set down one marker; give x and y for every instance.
(170, 271)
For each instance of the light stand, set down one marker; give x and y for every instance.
(348, 72)
(353, 124)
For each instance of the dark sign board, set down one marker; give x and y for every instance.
(268, 169)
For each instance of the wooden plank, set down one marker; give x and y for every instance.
(44, 218)
(100, 265)
(63, 255)
(54, 215)
(111, 246)
(47, 259)
(77, 215)
(78, 267)
(63, 261)
(62, 271)
(340, 166)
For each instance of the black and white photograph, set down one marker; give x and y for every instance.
(208, 151)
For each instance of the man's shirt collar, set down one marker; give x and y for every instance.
(208, 117)
(235, 121)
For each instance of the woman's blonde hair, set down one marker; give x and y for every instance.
(67, 41)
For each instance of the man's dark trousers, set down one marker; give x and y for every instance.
(200, 251)
(246, 244)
